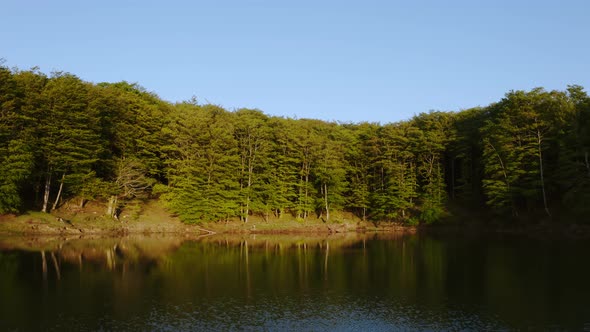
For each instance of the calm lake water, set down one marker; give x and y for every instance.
(277, 283)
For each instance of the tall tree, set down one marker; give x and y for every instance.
(203, 163)
(434, 134)
(69, 139)
(16, 151)
(253, 139)
(330, 168)
(359, 161)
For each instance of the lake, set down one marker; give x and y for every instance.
(342, 282)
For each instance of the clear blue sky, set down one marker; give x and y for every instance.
(377, 61)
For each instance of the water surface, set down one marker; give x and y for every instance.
(275, 283)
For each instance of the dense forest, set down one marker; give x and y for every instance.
(523, 158)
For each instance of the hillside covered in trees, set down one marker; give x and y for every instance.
(525, 157)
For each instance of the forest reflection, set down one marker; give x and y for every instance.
(434, 281)
(272, 253)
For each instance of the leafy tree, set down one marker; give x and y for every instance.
(282, 180)
(69, 134)
(573, 177)
(358, 163)
(203, 163)
(464, 158)
(397, 181)
(16, 155)
(434, 134)
(253, 139)
(330, 168)
(526, 155)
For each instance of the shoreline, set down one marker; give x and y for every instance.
(154, 219)
(30, 226)
(25, 226)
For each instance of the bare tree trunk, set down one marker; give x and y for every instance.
(514, 211)
(46, 194)
(242, 171)
(542, 177)
(112, 207)
(306, 195)
(251, 159)
(326, 201)
(61, 186)
(250, 170)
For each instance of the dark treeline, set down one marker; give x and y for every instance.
(525, 157)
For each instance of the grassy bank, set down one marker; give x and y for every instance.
(151, 217)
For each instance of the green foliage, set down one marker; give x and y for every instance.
(431, 214)
(16, 148)
(63, 138)
(203, 164)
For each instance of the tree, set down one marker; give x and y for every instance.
(329, 171)
(431, 141)
(396, 186)
(464, 163)
(130, 182)
(69, 134)
(203, 164)
(16, 155)
(521, 144)
(358, 162)
(282, 181)
(573, 176)
(253, 139)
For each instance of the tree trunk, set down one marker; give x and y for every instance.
(326, 201)
(250, 171)
(251, 160)
(306, 195)
(46, 194)
(242, 171)
(541, 174)
(112, 207)
(61, 186)
(514, 210)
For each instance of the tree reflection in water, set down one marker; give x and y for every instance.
(350, 281)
